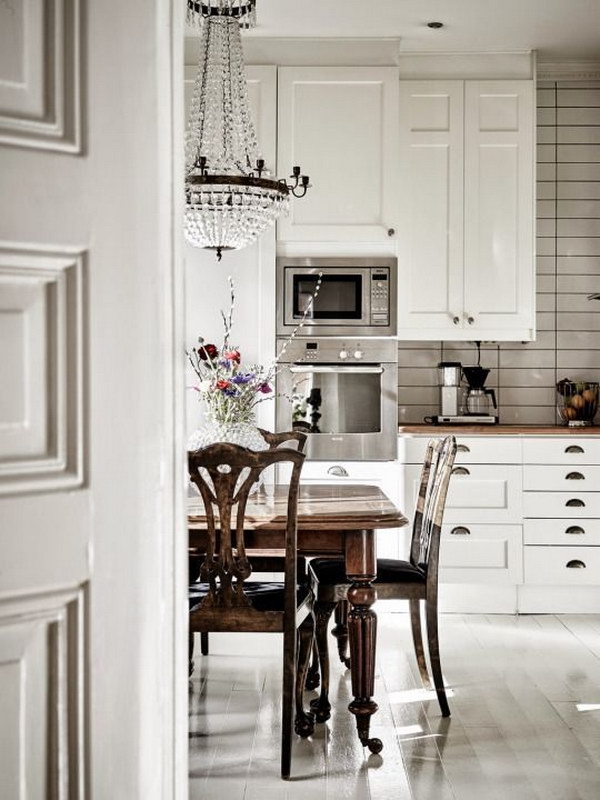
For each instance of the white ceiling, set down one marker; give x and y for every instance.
(557, 29)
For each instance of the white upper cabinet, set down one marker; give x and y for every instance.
(466, 249)
(340, 125)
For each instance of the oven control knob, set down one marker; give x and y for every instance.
(358, 354)
(343, 354)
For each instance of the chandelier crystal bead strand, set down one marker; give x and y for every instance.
(230, 196)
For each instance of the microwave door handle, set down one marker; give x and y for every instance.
(344, 369)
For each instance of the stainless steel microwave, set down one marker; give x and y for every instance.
(356, 296)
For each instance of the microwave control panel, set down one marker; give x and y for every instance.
(380, 296)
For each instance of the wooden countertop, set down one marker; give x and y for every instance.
(497, 430)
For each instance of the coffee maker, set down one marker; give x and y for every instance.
(455, 407)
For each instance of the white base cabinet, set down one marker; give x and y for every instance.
(521, 530)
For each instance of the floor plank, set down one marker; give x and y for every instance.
(525, 725)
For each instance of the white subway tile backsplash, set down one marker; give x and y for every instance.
(575, 134)
(580, 265)
(578, 116)
(577, 340)
(582, 284)
(527, 358)
(568, 269)
(575, 153)
(578, 227)
(575, 190)
(578, 246)
(578, 208)
(573, 94)
(577, 303)
(528, 415)
(576, 172)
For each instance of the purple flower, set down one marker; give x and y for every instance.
(232, 392)
(243, 377)
(265, 388)
(224, 362)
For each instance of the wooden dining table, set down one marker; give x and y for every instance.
(333, 520)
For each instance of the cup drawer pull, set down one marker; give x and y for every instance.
(575, 564)
(337, 470)
(575, 502)
(462, 448)
(460, 471)
(575, 530)
(460, 530)
(574, 476)
(574, 448)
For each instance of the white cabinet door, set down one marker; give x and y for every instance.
(499, 181)
(340, 125)
(430, 236)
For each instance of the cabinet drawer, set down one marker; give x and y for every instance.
(481, 554)
(470, 449)
(485, 493)
(577, 566)
(351, 471)
(571, 532)
(565, 505)
(566, 478)
(571, 450)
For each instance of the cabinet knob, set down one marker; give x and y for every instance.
(470, 319)
(574, 476)
(391, 231)
(576, 564)
(575, 530)
(574, 448)
(460, 471)
(337, 470)
(456, 319)
(575, 503)
(460, 530)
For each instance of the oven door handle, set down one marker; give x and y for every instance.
(346, 369)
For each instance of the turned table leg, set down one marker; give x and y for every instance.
(361, 570)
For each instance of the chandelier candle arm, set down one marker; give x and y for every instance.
(230, 196)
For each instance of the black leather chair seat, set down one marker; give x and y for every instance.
(332, 571)
(263, 596)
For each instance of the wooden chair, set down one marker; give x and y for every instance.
(413, 580)
(262, 561)
(224, 599)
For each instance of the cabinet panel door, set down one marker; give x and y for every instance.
(499, 147)
(430, 237)
(481, 554)
(340, 125)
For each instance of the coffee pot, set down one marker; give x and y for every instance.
(479, 400)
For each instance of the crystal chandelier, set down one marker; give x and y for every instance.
(230, 197)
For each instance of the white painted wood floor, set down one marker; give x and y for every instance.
(525, 717)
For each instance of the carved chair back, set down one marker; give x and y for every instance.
(431, 502)
(279, 439)
(225, 475)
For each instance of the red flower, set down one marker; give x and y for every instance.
(232, 355)
(207, 351)
(222, 384)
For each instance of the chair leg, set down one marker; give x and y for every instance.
(287, 699)
(313, 679)
(415, 624)
(304, 724)
(190, 654)
(321, 706)
(204, 643)
(434, 654)
(340, 631)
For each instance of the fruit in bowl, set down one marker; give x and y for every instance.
(577, 401)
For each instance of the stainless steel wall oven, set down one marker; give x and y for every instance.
(357, 296)
(344, 393)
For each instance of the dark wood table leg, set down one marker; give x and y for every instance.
(361, 570)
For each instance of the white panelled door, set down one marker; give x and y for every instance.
(88, 424)
(430, 238)
(499, 200)
(340, 125)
